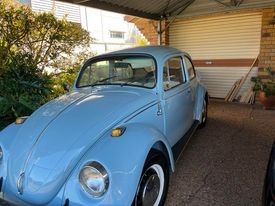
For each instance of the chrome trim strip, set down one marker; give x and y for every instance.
(19, 183)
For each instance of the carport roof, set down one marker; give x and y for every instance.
(159, 9)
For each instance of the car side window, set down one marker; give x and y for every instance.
(190, 68)
(172, 73)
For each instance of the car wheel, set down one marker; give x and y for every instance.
(153, 184)
(268, 195)
(204, 114)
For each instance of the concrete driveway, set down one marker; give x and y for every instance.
(225, 162)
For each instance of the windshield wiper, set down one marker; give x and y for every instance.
(102, 80)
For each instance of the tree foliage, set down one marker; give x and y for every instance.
(29, 43)
(68, 70)
(141, 41)
(23, 87)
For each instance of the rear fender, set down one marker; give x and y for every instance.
(201, 94)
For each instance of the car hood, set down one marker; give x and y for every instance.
(53, 140)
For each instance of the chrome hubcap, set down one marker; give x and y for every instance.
(151, 190)
(151, 186)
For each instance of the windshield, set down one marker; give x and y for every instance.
(134, 71)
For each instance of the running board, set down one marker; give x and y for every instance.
(179, 147)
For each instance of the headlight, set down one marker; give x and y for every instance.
(94, 179)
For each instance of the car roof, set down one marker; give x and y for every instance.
(159, 52)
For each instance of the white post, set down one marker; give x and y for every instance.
(159, 32)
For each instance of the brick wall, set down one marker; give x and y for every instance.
(149, 29)
(267, 50)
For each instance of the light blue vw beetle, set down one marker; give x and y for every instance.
(111, 141)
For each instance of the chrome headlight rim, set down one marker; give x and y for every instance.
(98, 169)
(1, 153)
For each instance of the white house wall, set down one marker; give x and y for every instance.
(98, 22)
(60, 9)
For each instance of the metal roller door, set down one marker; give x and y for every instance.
(222, 47)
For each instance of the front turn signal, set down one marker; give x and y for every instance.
(117, 132)
(20, 120)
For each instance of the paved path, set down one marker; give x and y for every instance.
(225, 162)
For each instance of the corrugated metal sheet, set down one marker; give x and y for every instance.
(157, 8)
(202, 7)
(221, 37)
(220, 80)
(72, 11)
(60, 9)
(232, 36)
(42, 5)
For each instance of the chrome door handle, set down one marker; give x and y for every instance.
(159, 112)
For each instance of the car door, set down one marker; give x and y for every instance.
(178, 108)
(191, 75)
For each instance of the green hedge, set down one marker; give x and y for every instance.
(4, 123)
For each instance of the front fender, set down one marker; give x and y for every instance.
(7, 135)
(201, 93)
(123, 158)
(6, 140)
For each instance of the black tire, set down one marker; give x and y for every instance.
(268, 193)
(204, 113)
(154, 181)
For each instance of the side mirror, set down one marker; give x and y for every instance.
(66, 87)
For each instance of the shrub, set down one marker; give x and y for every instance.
(23, 87)
(29, 43)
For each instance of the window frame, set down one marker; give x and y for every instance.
(182, 72)
(115, 56)
(115, 34)
(193, 67)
